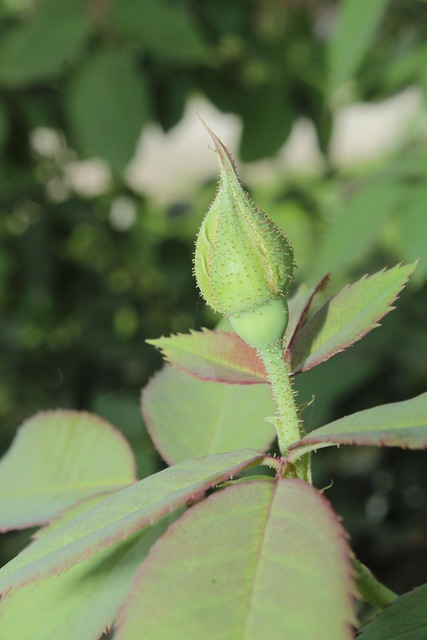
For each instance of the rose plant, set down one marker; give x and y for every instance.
(232, 540)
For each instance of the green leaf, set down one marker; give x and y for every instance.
(213, 355)
(175, 87)
(323, 388)
(398, 424)
(347, 317)
(404, 67)
(267, 119)
(246, 564)
(165, 30)
(46, 43)
(67, 456)
(357, 24)
(90, 593)
(121, 515)
(299, 306)
(404, 619)
(109, 105)
(4, 125)
(412, 234)
(354, 233)
(123, 411)
(213, 418)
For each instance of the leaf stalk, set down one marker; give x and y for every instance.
(371, 589)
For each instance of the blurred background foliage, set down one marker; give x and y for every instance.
(86, 275)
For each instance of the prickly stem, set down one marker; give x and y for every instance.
(289, 427)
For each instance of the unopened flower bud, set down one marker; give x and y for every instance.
(243, 261)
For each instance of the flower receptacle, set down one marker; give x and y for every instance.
(264, 325)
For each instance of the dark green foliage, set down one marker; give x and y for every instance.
(108, 106)
(78, 296)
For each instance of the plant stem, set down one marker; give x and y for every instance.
(371, 589)
(289, 428)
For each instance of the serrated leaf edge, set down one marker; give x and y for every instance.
(256, 379)
(299, 367)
